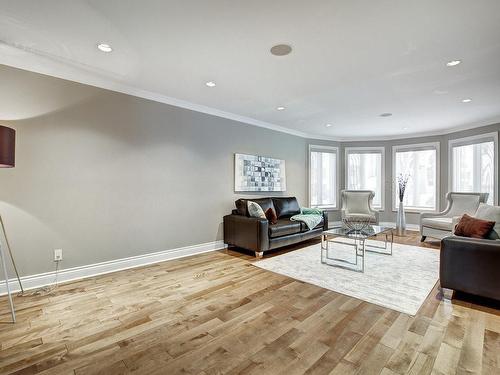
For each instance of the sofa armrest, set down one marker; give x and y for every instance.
(443, 213)
(471, 265)
(246, 232)
(425, 215)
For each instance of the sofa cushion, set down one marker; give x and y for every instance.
(469, 226)
(286, 207)
(357, 202)
(241, 204)
(284, 227)
(490, 213)
(443, 223)
(271, 215)
(254, 210)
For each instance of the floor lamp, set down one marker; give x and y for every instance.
(7, 160)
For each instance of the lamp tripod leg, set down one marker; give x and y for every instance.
(4, 266)
(10, 254)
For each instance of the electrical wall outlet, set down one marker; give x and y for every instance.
(57, 255)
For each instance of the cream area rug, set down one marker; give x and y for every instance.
(400, 282)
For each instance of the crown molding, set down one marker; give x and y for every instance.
(442, 132)
(39, 62)
(34, 61)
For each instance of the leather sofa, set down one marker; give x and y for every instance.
(470, 265)
(258, 235)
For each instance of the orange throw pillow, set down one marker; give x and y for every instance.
(469, 226)
(271, 215)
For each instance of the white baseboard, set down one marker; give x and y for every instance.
(76, 273)
(385, 224)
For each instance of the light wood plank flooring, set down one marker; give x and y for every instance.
(216, 313)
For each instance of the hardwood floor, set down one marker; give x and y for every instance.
(217, 313)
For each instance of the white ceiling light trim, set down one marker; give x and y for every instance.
(453, 63)
(104, 47)
(211, 84)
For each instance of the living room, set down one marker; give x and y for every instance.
(185, 192)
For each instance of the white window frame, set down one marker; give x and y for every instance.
(368, 150)
(334, 150)
(479, 138)
(417, 147)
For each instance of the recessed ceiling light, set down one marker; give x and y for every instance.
(386, 114)
(281, 50)
(210, 84)
(468, 100)
(405, 128)
(453, 62)
(104, 47)
(328, 125)
(280, 108)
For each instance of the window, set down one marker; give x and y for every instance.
(323, 176)
(365, 171)
(421, 163)
(474, 165)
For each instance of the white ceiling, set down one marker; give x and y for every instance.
(351, 61)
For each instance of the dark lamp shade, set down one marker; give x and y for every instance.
(7, 147)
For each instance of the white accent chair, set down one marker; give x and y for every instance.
(442, 224)
(357, 204)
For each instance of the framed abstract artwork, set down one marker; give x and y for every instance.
(258, 173)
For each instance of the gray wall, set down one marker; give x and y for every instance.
(104, 175)
(388, 214)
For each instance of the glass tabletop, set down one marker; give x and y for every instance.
(369, 231)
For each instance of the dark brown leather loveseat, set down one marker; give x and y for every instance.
(471, 265)
(259, 235)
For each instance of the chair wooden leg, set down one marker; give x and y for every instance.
(259, 254)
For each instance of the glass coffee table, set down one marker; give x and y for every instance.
(358, 241)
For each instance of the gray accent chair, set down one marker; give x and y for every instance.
(357, 204)
(441, 224)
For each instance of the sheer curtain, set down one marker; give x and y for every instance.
(364, 172)
(421, 166)
(323, 178)
(473, 168)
